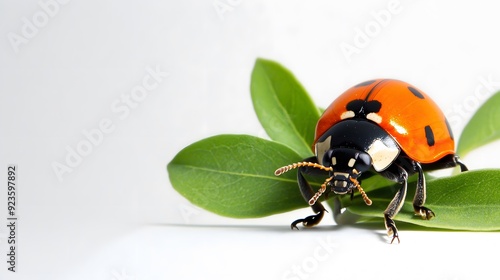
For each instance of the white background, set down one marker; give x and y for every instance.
(65, 67)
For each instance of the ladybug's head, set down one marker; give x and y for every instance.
(346, 166)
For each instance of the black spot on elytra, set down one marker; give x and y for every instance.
(361, 108)
(372, 106)
(355, 105)
(429, 135)
(416, 92)
(365, 83)
(449, 129)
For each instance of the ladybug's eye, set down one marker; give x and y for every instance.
(363, 162)
(329, 159)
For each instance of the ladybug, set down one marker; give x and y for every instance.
(379, 126)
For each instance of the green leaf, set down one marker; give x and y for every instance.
(467, 201)
(233, 175)
(483, 127)
(283, 107)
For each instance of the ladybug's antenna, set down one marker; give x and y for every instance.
(367, 200)
(289, 167)
(320, 191)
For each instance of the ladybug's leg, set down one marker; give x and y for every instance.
(396, 204)
(420, 194)
(446, 162)
(458, 162)
(308, 193)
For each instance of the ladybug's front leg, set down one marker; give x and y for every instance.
(308, 193)
(420, 195)
(395, 205)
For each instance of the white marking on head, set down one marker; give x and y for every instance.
(351, 162)
(347, 115)
(382, 155)
(344, 174)
(374, 117)
(334, 160)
